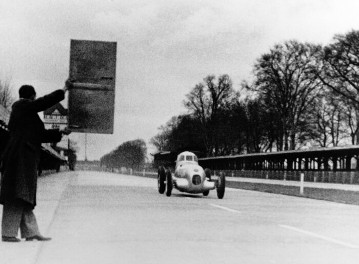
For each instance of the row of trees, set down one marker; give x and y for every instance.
(302, 94)
(131, 154)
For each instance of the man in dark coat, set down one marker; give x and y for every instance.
(20, 163)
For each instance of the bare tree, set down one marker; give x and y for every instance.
(339, 67)
(351, 120)
(205, 102)
(285, 79)
(180, 133)
(160, 141)
(320, 115)
(328, 117)
(6, 97)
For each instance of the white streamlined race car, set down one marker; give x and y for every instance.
(189, 177)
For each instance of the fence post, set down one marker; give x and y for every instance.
(352, 174)
(144, 172)
(301, 189)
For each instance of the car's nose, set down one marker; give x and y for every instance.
(196, 179)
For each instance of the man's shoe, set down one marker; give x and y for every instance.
(38, 238)
(10, 239)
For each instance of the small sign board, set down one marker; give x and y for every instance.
(92, 97)
(55, 117)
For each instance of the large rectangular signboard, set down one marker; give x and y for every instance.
(92, 97)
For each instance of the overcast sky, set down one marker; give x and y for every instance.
(164, 48)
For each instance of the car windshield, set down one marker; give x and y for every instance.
(187, 158)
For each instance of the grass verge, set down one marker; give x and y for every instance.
(338, 196)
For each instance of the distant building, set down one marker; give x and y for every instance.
(55, 117)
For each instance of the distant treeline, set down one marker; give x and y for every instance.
(131, 154)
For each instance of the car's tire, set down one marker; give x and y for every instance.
(161, 178)
(208, 173)
(221, 185)
(169, 183)
(205, 193)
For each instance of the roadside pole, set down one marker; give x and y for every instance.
(301, 188)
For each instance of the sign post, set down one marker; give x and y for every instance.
(92, 96)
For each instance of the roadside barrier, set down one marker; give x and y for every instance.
(344, 177)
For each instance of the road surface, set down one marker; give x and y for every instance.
(98, 217)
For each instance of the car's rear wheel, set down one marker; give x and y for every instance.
(169, 183)
(205, 193)
(221, 185)
(161, 177)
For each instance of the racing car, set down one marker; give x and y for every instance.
(189, 177)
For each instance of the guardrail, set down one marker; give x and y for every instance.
(344, 177)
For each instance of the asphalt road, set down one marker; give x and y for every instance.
(109, 218)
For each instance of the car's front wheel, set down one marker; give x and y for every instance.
(169, 183)
(161, 177)
(205, 193)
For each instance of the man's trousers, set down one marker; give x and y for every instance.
(18, 215)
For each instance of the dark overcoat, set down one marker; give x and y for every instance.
(21, 156)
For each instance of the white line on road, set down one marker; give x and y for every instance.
(320, 236)
(329, 239)
(225, 208)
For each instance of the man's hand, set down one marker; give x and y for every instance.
(68, 84)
